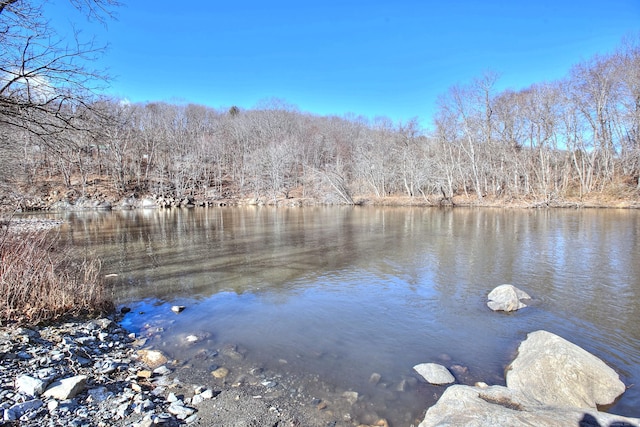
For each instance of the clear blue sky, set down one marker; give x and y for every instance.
(371, 58)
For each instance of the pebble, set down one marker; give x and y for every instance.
(220, 373)
(162, 370)
(207, 394)
(96, 365)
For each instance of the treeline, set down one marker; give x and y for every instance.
(553, 140)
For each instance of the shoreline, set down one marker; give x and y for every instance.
(118, 380)
(124, 384)
(596, 200)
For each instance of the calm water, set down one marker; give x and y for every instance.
(342, 292)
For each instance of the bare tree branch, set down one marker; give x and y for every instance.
(46, 80)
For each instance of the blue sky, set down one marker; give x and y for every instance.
(371, 58)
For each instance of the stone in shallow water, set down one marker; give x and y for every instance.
(351, 396)
(551, 383)
(375, 378)
(220, 373)
(231, 351)
(434, 373)
(178, 308)
(507, 298)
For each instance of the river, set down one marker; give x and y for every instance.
(336, 294)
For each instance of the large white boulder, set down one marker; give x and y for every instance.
(499, 406)
(553, 371)
(507, 298)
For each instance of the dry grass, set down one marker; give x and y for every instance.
(40, 283)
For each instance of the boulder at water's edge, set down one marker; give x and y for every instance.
(499, 406)
(554, 371)
(551, 383)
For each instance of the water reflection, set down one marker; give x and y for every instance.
(343, 292)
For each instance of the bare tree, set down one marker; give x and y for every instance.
(45, 79)
(593, 88)
(628, 127)
(469, 112)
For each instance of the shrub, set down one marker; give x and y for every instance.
(41, 283)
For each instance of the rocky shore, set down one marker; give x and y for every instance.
(84, 374)
(73, 202)
(95, 373)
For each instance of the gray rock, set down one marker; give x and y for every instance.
(434, 373)
(192, 419)
(19, 409)
(66, 388)
(46, 374)
(30, 386)
(351, 396)
(507, 298)
(375, 378)
(181, 412)
(207, 394)
(122, 410)
(9, 415)
(554, 371)
(162, 370)
(163, 418)
(100, 394)
(152, 358)
(105, 366)
(498, 406)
